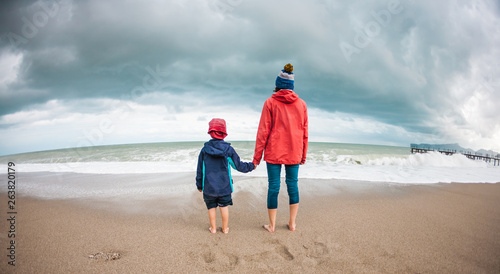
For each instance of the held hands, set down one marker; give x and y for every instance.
(255, 164)
(199, 190)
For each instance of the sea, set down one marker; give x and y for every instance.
(129, 177)
(359, 162)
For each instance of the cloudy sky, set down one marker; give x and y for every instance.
(389, 72)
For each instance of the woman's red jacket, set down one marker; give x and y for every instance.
(283, 130)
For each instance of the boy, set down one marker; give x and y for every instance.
(213, 175)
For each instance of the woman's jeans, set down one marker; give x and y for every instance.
(291, 178)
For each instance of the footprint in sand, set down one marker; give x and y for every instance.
(316, 250)
(209, 257)
(283, 251)
(219, 261)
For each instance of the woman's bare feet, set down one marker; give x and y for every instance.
(213, 231)
(268, 228)
(291, 227)
(225, 231)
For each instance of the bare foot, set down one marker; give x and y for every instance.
(291, 227)
(268, 228)
(225, 231)
(213, 231)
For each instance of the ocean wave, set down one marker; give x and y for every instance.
(324, 161)
(431, 159)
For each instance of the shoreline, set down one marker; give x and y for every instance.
(347, 227)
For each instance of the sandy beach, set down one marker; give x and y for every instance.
(351, 228)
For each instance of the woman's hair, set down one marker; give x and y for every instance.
(276, 89)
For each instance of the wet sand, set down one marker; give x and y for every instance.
(385, 228)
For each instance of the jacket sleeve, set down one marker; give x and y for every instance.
(199, 172)
(238, 164)
(305, 137)
(263, 132)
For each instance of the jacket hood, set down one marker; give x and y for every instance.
(217, 148)
(286, 96)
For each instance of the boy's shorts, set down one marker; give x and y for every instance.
(213, 202)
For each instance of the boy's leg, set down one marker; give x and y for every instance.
(224, 202)
(211, 206)
(291, 179)
(224, 212)
(212, 216)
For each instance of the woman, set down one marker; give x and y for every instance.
(282, 137)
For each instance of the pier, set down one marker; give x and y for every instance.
(470, 155)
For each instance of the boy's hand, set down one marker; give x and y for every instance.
(199, 190)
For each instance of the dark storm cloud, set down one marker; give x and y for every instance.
(390, 60)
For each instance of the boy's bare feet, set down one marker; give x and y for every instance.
(225, 231)
(213, 231)
(268, 228)
(291, 227)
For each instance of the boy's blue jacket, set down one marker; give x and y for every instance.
(213, 174)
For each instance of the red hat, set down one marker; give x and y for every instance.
(217, 128)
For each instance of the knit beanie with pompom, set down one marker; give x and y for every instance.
(285, 79)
